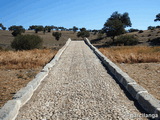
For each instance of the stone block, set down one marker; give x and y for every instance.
(125, 80)
(24, 94)
(10, 110)
(148, 102)
(133, 89)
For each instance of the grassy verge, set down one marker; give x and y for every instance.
(132, 54)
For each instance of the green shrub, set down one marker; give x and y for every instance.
(26, 42)
(99, 36)
(155, 41)
(141, 31)
(83, 33)
(133, 30)
(57, 35)
(151, 27)
(126, 40)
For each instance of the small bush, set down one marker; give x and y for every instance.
(26, 42)
(99, 36)
(83, 34)
(133, 30)
(141, 31)
(158, 26)
(126, 40)
(155, 41)
(57, 35)
(151, 27)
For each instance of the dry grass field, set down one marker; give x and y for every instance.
(142, 63)
(17, 68)
(132, 54)
(25, 59)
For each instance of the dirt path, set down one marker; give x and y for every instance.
(79, 88)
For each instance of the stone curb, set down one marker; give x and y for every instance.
(10, 110)
(149, 103)
(24, 94)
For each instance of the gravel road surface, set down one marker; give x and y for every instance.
(79, 88)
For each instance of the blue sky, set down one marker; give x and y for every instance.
(91, 14)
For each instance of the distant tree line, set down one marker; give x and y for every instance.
(114, 27)
(18, 30)
(83, 32)
(38, 28)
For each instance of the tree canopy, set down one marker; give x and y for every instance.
(157, 17)
(49, 28)
(116, 24)
(83, 33)
(75, 29)
(3, 28)
(57, 35)
(36, 28)
(17, 30)
(14, 27)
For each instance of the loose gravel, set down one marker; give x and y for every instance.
(79, 88)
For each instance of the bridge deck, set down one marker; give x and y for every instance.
(78, 87)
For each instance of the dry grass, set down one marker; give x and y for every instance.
(25, 59)
(17, 68)
(134, 54)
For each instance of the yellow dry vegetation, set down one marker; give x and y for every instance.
(132, 54)
(25, 59)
